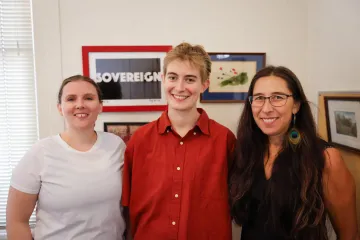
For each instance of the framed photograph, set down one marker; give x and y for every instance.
(343, 121)
(231, 74)
(123, 129)
(129, 76)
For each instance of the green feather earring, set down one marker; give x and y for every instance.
(294, 135)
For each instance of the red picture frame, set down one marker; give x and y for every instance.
(159, 50)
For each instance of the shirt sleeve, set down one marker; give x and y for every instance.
(127, 169)
(26, 175)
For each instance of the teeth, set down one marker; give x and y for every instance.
(180, 97)
(269, 120)
(81, 115)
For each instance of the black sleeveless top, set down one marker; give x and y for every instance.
(258, 227)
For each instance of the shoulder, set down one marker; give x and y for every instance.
(146, 130)
(42, 144)
(220, 129)
(110, 139)
(333, 159)
(109, 136)
(335, 170)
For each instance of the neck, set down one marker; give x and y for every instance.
(79, 139)
(183, 121)
(275, 144)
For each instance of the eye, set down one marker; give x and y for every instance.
(190, 80)
(259, 98)
(89, 98)
(278, 97)
(70, 99)
(172, 78)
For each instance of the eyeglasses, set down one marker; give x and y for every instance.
(276, 100)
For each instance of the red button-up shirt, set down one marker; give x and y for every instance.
(176, 188)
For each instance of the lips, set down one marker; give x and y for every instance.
(269, 120)
(179, 97)
(81, 115)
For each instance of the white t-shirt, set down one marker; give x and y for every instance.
(79, 192)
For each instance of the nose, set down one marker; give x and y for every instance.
(79, 104)
(180, 85)
(267, 107)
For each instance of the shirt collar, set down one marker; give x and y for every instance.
(202, 123)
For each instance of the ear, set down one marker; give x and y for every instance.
(205, 85)
(296, 107)
(59, 109)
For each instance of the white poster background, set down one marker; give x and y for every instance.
(344, 106)
(127, 55)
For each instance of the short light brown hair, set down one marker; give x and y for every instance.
(195, 54)
(79, 78)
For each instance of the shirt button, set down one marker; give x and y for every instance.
(194, 133)
(167, 131)
(176, 195)
(178, 168)
(181, 143)
(173, 223)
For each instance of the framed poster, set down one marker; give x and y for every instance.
(129, 76)
(123, 129)
(343, 121)
(230, 77)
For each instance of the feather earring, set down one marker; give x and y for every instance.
(294, 134)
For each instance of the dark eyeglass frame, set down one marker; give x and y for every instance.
(270, 97)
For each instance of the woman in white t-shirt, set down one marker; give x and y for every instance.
(74, 178)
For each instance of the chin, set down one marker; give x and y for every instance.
(177, 108)
(181, 106)
(270, 132)
(84, 127)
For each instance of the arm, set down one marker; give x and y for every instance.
(18, 211)
(127, 221)
(126, 187)
(23, 194)
(339, 193)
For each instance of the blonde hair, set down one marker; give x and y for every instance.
(195, 54)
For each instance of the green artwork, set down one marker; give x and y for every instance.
(233, 78)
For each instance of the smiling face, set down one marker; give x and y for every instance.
(273, 121)
(80, 105)
(183, 85)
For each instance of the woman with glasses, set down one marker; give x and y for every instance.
(286, 181)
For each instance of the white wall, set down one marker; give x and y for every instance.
(333, 46)
(277, 27)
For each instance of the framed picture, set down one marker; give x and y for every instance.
(129, 76)
(343, 121)
(230, 77)
(123, 129)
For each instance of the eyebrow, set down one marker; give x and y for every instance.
(188, 75)
(273, 93)
(86, 94)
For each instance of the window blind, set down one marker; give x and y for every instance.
(18, 112)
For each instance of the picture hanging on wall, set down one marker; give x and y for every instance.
(230, 77)
(343, 121)
(128, 76)
(123, 129)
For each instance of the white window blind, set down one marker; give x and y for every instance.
(18, 112)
